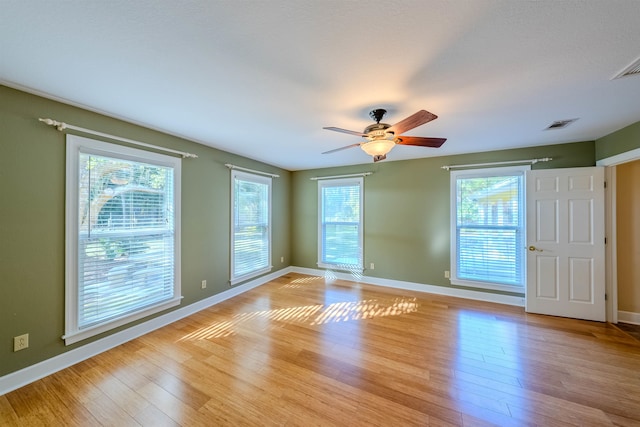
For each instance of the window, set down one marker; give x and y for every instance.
(122, 233)
(340, 224)
(251, 225)
(487, 228)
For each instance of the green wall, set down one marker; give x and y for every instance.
(621, 141)
(32, 181)
(406, 213)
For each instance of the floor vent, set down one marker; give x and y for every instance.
(631, 70)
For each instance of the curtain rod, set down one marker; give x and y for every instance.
(61, 126)
(316, 178)
(230, 166)
(512, 162)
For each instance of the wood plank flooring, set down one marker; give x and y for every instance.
(305, 351)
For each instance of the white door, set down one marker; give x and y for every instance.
(565, 250)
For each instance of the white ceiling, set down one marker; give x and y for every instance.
(261, 78)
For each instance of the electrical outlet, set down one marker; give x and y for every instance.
(372, 266)
(446, 274)
(204, 284)
(281, 259)
(20, 342)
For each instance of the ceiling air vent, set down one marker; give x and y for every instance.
(560, 124)
(632, 70)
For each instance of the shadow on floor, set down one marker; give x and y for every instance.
(633, 330)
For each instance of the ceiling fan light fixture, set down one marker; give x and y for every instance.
(378, 147)
(380, 138)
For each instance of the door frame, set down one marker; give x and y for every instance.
(611, 269)
(610, 249)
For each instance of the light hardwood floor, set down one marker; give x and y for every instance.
(304, 351)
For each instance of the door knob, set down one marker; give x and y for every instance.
(533, 248)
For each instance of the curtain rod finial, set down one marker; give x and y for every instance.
(59, 125)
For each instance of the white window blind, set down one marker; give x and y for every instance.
(340, 223)
(488, 209)
(251, 225)
(122, 254)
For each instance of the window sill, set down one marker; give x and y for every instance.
(82, 334)
(488, 286)
(235, 280)
(342, 267)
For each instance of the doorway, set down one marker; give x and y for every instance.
(614, 314)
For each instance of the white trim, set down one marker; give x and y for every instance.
(418, 287)
(342, 267)
(62, 127)
(17, 379)
(83, 334)
(487, 285)
(479, 173)
(355, 180)
(50, 96)
(629, 317)
(610, 249)
(40, 370)
(74, 146)
(625, 157)
(258, 179)
(251, 275)
(613, 314)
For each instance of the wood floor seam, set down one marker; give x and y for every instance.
(303, 350)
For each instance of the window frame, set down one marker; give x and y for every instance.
(74, 146)
(259, 179)
(341, 182)
(480, 173)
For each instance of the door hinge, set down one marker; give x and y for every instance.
(605, 184)
(605, 240)
(606, 297)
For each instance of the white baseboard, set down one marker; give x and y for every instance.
(40, 370)
(629, 317)
(419, 287)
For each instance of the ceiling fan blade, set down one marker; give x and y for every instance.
(420, 141)
(419, 118)
(350, 132)
(343, 148)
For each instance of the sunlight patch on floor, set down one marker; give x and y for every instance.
(313, 315)
(302, 281)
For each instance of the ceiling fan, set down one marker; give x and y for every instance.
(381, 137)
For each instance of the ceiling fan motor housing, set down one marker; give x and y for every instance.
(378, 131)
(381, 139)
